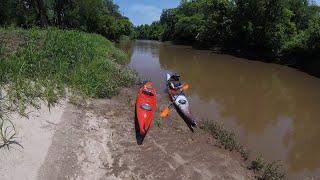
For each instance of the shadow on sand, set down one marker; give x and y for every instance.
(139, 138)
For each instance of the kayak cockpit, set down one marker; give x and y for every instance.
(146, 107)
(182, 101)
(147, 92)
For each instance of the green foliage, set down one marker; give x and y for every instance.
(146, 31)
(258, 164)
(99, 16)
(270, 28)
(52, 61)
(313, 33)
(186, 29)
(124, 40)
(225, 138)
(305, 44)
(272, 171)
(217, 25)
(264, 170)
(168, 19)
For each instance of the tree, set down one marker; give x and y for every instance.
(217, 22)
(168, 20)
(265, 27)
(42, 12)
(187, 29)
(98, 16)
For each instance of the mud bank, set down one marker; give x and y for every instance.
(98, 142)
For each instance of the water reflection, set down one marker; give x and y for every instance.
(273, 109)
(147, 47)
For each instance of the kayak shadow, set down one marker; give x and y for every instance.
(139, 138)
(186, 120)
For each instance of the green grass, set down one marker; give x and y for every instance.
(263, 170)
(48, 64)
(226, 139)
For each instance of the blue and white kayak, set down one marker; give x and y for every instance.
(181, 103)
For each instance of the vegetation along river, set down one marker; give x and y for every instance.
(273, 109)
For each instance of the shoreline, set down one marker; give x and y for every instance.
(310, 66)
(98, 141)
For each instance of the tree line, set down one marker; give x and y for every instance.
(273, 28)
(96, 16)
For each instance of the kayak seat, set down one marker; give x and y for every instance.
(181, 101)
(148, 93)
(175, 78)
(146, 107)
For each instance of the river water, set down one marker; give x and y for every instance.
(274, 110)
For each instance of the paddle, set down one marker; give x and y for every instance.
(165, 112)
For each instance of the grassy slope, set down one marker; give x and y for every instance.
(85, 63)
(39, 65)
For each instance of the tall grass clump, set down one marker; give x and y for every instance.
(226, 139)
(49, 62)
(267, 171)
(264, 170)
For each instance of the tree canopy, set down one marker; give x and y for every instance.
(268, 27)
(98, 16)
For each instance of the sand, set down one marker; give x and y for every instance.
(99, 142)
(35, 135)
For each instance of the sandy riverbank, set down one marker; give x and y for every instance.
(35, 135)
(98, 142)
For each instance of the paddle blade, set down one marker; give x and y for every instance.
(185, 87)
(165, 113)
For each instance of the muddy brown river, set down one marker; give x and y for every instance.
(274, 110)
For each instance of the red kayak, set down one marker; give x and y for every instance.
(146, 106)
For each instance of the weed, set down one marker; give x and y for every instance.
(258, 164)
(159, 122)
(265, 171)
(7, 134)
(272, 171)
(51, 62)
(226, 139)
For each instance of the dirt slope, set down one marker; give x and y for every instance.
(98, 142)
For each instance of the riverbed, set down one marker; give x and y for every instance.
(273, 109)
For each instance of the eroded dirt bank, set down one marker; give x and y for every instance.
(98, 142)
